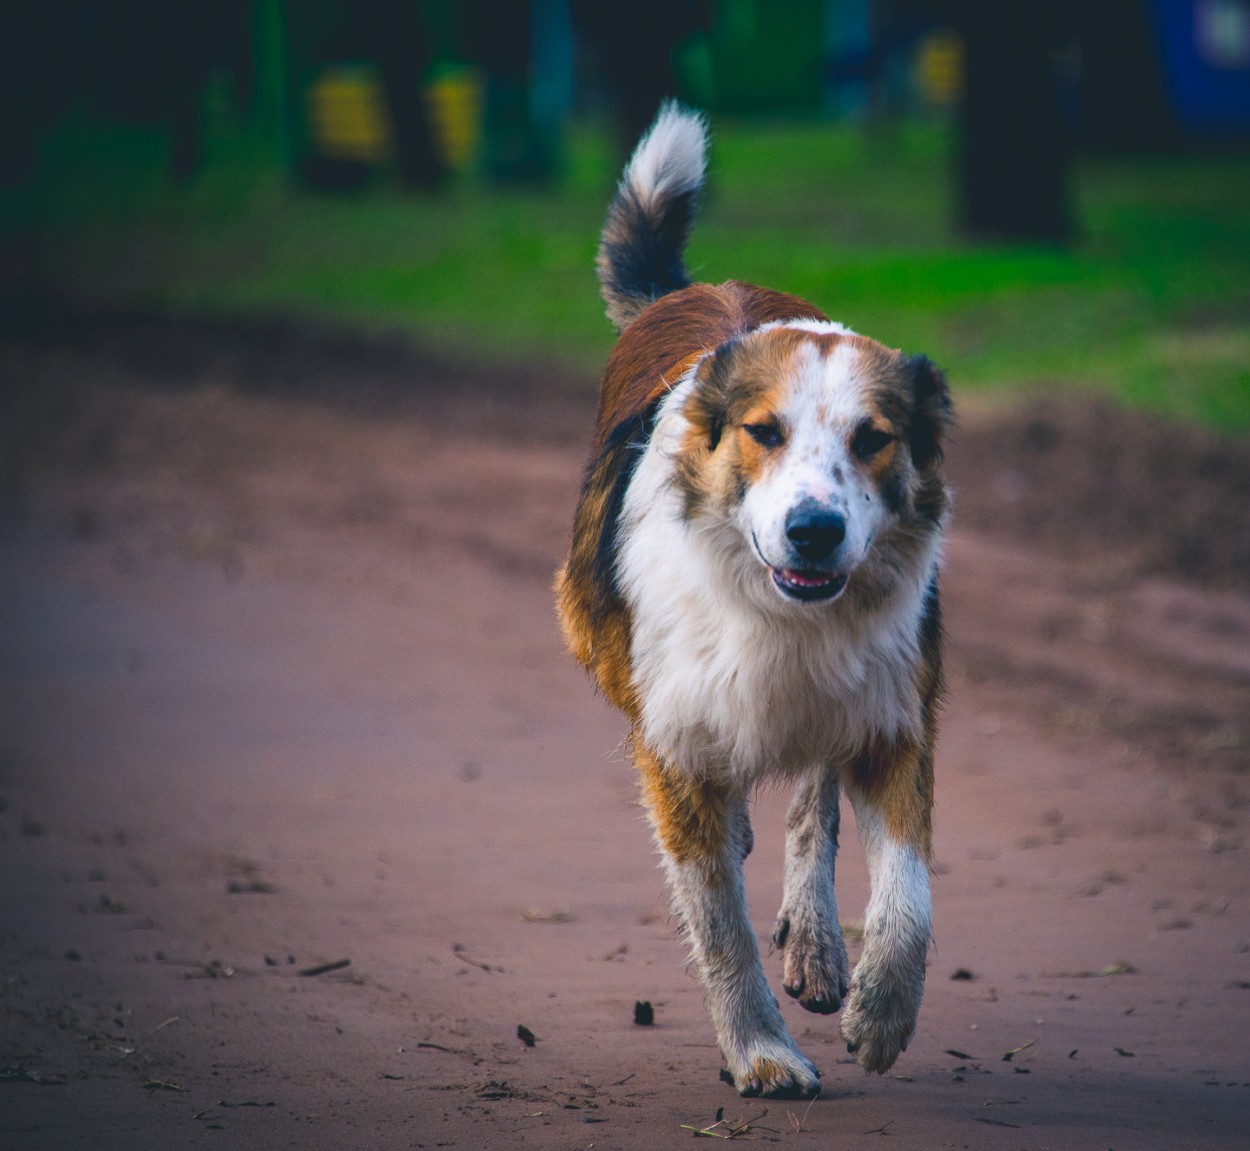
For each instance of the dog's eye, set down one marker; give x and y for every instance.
(766, 435)
(869, 441)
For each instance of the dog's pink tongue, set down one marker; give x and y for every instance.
(806, 578)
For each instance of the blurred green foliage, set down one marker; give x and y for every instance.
(1151, 305)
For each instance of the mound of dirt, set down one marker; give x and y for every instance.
(1078, 476)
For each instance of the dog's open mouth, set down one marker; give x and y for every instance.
(809, 585)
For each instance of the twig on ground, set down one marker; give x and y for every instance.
(1119, 967)
(463, 956)
(796, 1122)
(732, 1128)
(127, 1052)
(326, 968)
(1007, 1058)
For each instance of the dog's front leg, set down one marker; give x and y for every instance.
(892, 796)
(814, 967)
(704, 833)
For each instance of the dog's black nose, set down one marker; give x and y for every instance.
(814, 531)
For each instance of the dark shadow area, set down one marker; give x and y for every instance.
(294, 358)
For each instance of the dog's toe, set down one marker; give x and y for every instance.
(775, 1071)
(878, 1030)
(781, 930)
(814, 967)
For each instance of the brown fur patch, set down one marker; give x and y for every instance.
(690, 816)
(887, 471)
(655, 350)
(593, 616)
(897, 779)
(599, 637)
(771, 1075)
(742, 384)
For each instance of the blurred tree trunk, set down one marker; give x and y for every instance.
(397, 37)
(1014, 151)
(1124, 102)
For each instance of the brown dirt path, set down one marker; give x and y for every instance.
(280, 686)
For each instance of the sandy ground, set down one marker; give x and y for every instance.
(282, 689)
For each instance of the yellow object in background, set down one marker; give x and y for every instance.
(347, 115)
(454, 103)
(348, 118)
(940, 67)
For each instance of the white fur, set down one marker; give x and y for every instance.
(735, 680)
(670, 158)
(710, 899)
(819, 327)
(888, 983)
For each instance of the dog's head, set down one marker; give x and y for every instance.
(812, 453)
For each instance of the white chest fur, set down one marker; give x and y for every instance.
(734, 680)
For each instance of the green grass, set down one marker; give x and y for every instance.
(1151, 305)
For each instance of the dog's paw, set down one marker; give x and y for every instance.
(772, 1068)
(877, 1025)
(814, 967)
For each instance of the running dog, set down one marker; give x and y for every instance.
(752, 580)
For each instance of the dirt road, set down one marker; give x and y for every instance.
(303, 809)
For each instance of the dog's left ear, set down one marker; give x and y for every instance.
(932, 413)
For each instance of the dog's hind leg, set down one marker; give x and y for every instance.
(814, 966)
(892, 795)
(704, 835)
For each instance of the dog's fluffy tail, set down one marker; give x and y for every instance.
(649, 222)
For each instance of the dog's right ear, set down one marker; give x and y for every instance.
(708, 406)
(932, 414)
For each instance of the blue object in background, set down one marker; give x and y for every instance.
(1204, 57)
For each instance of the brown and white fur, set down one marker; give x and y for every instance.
(752, 580)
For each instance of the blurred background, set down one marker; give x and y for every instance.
(1037, 195)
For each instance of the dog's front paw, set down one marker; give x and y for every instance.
(814, 966)
(772, 1068)
(878, 1024)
